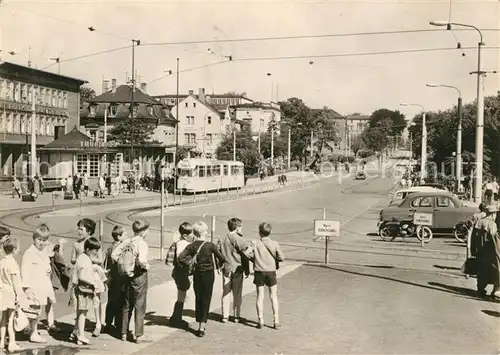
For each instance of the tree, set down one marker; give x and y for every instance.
(246, 150)
(132, 131)
(357, 144)
(87, 94)
(325, 130)
(376, 138)
(235, 93)
(396, 119)
(280, 145)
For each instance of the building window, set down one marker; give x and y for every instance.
(190, 138)
(209, 139)
(150, 110)
(65, 100)
(92, 110)
(42, 127)
(134, 111)
(17, 124)
(81, 163)
(92, 134)
(24, 93)
(194, 104)
(186, 104)
(190, 120)
(88, 163)
(48, 127)
(209, 119)
(112, 110)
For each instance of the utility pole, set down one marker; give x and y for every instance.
(423, 154)
(289, 145)
(312, 137)
(234, 144)
(33, 132)
(134, 43)
(176, 129)
(459, 143)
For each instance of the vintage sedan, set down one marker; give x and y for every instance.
(360, 175)
(446, 209)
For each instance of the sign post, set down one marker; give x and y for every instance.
(162, 212)
(326, 229)
(422, 220)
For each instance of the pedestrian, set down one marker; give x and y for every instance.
(83, 290)
(63, 182)
(77, 185)
(233, 248)
(108, 183)
(36, 272)
(11, 293)
(36, 185)
(86, 229)
(266, 258)
(85, 184)
(69, 184)
(42, 185)
(488, 253)
(201, 253)
(16, 187)
(180, 273)
(115, 297)
(134, 287)
(102, 185)
(4, 234)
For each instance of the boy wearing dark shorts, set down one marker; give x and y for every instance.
(266, 258)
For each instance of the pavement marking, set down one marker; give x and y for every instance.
(161, 299)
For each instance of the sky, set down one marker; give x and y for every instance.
(348, 84)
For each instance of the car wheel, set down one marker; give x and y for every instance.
(460, 232)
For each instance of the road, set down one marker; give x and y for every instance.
(374, 297)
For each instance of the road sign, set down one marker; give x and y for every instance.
(324, 228)
(422, 219)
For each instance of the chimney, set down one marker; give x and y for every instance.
(105, 86)
(191, 92)
(113, 85)
(58, 132)
(144, 87)
(201, 94)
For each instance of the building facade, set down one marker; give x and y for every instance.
(57, 102)
(350, 126)
(113, 106)
(258, 115)
(201, 126)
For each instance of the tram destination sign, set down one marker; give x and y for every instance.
(325, 228)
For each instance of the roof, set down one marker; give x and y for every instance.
(319, 110)
(39, 77)
(74, 141)
(201, 161)
(258, 105)
(357, 118)
(158, 114)
(123, 94)
(213, 96)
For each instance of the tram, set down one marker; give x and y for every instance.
(200, 175)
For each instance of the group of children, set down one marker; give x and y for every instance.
(114, 283)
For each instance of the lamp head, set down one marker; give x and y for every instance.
(432, 85)
(439, 23)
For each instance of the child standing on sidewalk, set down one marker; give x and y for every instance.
(266, 258)
(83, 292)
(86, 229)
(11, 294)
(115, 297)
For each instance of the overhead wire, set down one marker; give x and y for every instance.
(189, 69)
(279, 38)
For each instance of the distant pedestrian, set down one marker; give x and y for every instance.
(69, 184)
(16, 187)
(180, 273)
(202, 253)
(266, 258)
(108, 183)
(102, 185)
(85, 180)
(236, 250)
(77, 185)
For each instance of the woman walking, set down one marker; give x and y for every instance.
(202, 253)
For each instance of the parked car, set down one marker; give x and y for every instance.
(360, 175)
(400, 195)
(436, 186)
(446, 209)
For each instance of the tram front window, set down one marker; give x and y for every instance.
(185, 172)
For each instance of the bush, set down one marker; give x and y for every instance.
(351, 159)
(365, 153)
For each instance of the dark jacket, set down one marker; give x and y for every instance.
(205, 257)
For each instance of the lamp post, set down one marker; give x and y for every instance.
(423, 155)
(480, 106)
(33, 133)
(459, 131)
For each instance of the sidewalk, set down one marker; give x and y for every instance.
(161, 298)
(48, 199)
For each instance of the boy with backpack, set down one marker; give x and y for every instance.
(132, 262)
(180, 274)
(115, 298)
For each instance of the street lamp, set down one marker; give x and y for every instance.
(423, 155)
(459, 130)
(480, 106)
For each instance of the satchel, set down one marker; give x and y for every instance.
(194, 260)
(470, 267)
(277, 263)
(85, 288)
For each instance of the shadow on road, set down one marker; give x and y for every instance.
(491, 313)
(443, 267)
(434, 286)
